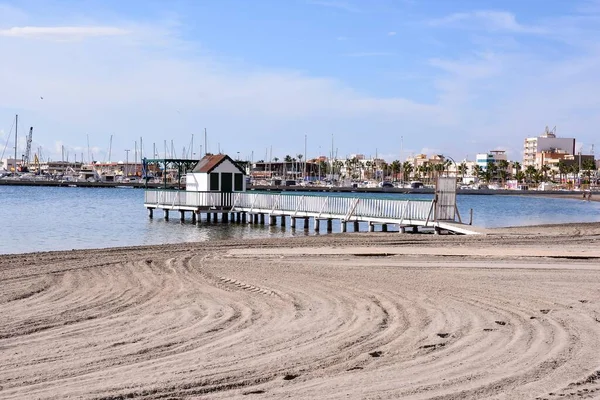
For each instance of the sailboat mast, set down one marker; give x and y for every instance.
(110, 148)
(16, 137)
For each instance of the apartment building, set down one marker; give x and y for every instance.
(547, 142)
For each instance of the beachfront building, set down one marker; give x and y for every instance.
(424, 167)
(544, 143)
(494, 156)
(216, 173)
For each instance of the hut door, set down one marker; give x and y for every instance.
(226, 182)
(226, 188)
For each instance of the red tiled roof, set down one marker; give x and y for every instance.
(210, 162)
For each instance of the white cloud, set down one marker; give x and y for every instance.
(391, 33)
(153, 84)
(131, 88)
(487, 19)
(62, 32)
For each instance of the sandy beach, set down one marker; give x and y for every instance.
(514, 314)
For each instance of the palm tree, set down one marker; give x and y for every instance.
(385, 169)
(519, 176)
(275, 159)
(588, 165)
(424, 169)
(407, 168)
(530, 172)
(476, 171)
(517, 167)
(287, 158)
(574, 169)
(439, 168)
(462, 169)
(544, 170)
(395, 167)
(503, 170)
(563, 169)
(490, 171)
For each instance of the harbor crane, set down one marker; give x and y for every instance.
(27, 155)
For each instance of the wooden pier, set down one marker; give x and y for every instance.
(439, 214)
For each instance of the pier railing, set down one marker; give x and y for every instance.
(182, 198)
(346, 208)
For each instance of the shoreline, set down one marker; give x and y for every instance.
(371, 239)
(512, 313)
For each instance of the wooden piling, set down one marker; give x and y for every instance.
(262, 218)
(283, 220)
(317, 224)
(194, 217)
(293, 222)
(329, 225)
(343, 226)
(356, 226)
(225, 217)
(272, 220)
(384, 227)
(306, 222)
(243, 218)
(166, 214)
(371, 227)
(150, 213)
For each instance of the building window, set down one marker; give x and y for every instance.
(214, 181)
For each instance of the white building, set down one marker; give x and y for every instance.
(546, 142)
(493, 156)
(216, 173)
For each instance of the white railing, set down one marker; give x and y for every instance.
(346, 208)
(182, 198)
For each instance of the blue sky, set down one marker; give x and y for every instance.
(396, 77)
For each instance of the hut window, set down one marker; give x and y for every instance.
(214, 181)
(239, 182)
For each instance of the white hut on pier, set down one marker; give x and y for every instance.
(216, 173)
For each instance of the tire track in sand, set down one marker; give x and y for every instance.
(165, 325)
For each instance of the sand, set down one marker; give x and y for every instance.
(511, 315)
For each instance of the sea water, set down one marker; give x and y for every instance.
(65, 218)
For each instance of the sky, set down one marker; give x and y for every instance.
(390, 78)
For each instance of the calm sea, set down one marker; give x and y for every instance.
(42, 219)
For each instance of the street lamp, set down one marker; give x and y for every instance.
(448, 169)
(127, 162)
